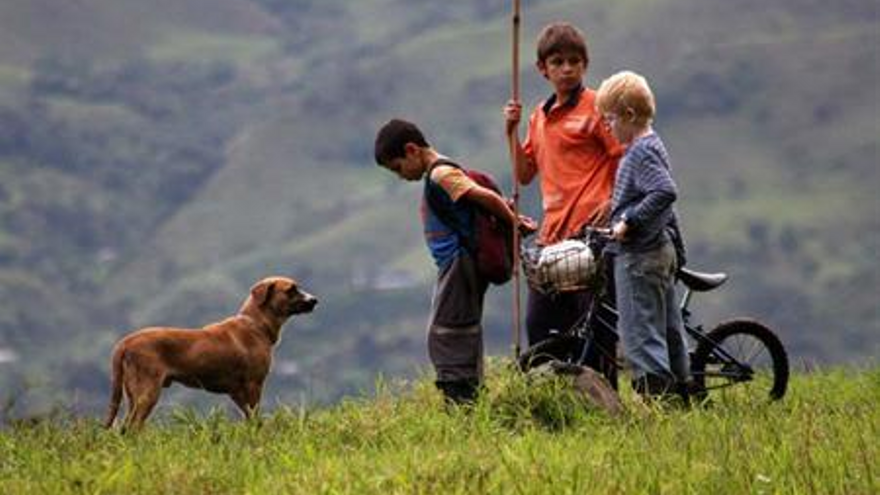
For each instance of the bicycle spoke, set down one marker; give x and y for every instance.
(748, 349)
(738, 342)
(759, 350)
(755, 354)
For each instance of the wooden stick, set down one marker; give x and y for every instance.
(511, 139)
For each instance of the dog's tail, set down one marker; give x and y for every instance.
(115, 386)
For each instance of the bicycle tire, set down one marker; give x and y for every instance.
(562, 348)
(765, 354)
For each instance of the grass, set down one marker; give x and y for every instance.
(523, 437)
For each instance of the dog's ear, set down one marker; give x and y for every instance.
(262, 292)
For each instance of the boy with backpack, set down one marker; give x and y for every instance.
(451, 204)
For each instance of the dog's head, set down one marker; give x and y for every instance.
(282, 297)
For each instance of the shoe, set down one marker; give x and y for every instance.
(459, 392)
(663, 390)
(651, 385)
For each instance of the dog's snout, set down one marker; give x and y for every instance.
(305, 303)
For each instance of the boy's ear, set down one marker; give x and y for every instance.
(410, 148)
(542, 68)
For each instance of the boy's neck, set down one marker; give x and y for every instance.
(430, 157)
(639, 134)
(645, 131)
(562, 97)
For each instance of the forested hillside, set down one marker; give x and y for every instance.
(157, 158)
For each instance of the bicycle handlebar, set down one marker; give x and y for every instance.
(603, 233)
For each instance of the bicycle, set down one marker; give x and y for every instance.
(738, 351)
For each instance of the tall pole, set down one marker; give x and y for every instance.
(512, 142)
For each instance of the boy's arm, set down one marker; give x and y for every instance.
(661, 192)
(461, 187)
(491, 201)
(499, 207)
(525, 168)
(651, 205)
(654, 203)
(601, 129)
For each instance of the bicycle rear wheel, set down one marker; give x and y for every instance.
(563, 348)
(744, 353)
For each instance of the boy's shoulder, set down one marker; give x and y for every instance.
(651, 145)
(444, 168)
(645, 153)
(588, 96)
(452, 178)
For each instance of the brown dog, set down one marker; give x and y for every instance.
(232, 356)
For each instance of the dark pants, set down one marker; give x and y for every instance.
(455, 333)
(562, 311)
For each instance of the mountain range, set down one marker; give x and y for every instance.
(156, 159)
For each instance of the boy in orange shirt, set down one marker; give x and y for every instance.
(570, 148)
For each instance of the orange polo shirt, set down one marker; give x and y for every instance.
(576, 158)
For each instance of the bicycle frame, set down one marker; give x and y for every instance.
(729, 353)
(603, 312)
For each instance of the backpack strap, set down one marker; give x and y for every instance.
(446, 216)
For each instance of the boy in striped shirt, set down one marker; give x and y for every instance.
(644, 225)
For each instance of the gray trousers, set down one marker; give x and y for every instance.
(455, 332)
(649, 322)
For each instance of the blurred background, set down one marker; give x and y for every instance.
(157, 158)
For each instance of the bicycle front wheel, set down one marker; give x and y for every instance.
(741, 357)
(562, 348)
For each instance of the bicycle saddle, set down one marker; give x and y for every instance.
(700, 281)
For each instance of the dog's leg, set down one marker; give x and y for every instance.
(143, 386)
(116, 380)
(129, 406)
(248, 398)
(143, 406)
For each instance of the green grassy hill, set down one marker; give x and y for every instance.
(157, 160)
(97, 30)
(531, 438)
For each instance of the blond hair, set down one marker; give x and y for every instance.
(626, 92)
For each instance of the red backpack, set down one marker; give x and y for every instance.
(491, 242)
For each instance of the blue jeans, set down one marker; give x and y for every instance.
(649, 322)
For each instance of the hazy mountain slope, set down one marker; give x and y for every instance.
(752, 155)
(100, 30)
(211, 146)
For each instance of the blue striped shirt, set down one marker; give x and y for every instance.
(644, 191)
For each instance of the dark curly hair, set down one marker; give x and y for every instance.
(392, 138)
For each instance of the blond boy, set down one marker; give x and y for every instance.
(644, 226)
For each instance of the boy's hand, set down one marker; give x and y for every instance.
(618, 230)
(527, 225)
(512, 116)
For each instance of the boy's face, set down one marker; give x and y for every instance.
(411, 166)
(565, 70)
(623, 126)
